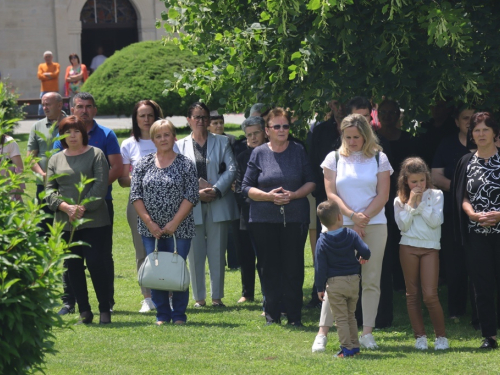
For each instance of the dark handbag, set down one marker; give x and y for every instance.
(164, 271)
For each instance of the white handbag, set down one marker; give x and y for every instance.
(164, 271)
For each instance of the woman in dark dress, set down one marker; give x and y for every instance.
(476, 215)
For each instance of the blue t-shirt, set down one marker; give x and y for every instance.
(104, 139)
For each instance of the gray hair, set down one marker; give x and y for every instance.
(47, 53)
(55, 95)
(253, 121)
(257, 107)
(83, 96)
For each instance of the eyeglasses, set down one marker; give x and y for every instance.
(200, 118)
(254, 134)
(278, 127)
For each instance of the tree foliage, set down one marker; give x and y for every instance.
(300, 54)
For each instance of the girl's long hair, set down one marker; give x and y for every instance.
(410, 166)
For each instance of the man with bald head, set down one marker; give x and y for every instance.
(52, 104)
(48, 74)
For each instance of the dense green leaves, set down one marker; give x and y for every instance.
(416, 51)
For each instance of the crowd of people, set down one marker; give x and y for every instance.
(382, 196)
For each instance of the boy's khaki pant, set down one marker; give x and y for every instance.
(343, 294)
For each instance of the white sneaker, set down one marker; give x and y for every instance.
(421, 343)
(319, 344)
(441, 343)
(147, 305)
(368, 342)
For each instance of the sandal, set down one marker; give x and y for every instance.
(218, 304)
(198, 305)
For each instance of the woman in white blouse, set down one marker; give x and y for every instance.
(145, 113)
(357, 177)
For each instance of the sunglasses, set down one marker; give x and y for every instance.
(278, 127)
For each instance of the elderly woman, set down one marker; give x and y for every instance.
(79, 159)
(145, 113)
(277, 180)
(476, 215)
(447, 156)
(76, 75)
(357, 178)
(164, 190)
(254, 128)
(215, 171)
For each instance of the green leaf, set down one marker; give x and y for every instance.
(314, 5)
(296, 55)
(264, 16)
(230, 69)
(182, 92)
(173, 14)
(384, 8)
(292, 75)
(218, 36)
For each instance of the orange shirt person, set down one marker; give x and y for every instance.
(48, 74)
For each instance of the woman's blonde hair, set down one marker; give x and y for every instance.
(159, 124)
(412, 165)
(370, 146)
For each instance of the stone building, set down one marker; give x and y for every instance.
(30, 27)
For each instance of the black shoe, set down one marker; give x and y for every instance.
(66, 310)
(105, 318)
(489, 343)
(297, 324)
(314, 303)
(86, 317)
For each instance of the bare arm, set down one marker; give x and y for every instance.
(124, 179)
(116, 167)
(439, 179)
(18, 162)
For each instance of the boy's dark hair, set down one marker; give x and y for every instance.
(328, 212)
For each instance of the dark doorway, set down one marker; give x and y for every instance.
(111, 24)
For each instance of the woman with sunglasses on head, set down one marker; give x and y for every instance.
(145, 113)
(76, 75)
(277, 180)
(216, 171)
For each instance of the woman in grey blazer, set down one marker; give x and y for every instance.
(216, 169)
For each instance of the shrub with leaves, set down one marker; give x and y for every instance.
(8, 102)
(139, 72)
(30, 278)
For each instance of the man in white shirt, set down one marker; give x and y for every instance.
(97, 60)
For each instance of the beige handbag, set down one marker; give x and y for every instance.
(164, 271)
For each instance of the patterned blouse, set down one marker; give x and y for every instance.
(162, 190)
(483, 190)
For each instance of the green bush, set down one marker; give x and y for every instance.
(8, 102)
(30, 278)
(139, 72)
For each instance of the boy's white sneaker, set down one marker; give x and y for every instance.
(441, 343)
(319, 344)
(368, 341)
(421, 343)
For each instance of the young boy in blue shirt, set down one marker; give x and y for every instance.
(339, 253)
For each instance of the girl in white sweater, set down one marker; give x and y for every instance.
(419, 214)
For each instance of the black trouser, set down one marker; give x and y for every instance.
(68, 297)
(280, 251)
(456, 271)
(44, 224)
(247, 256)
(96, 257)
(483, 257)
(232, 245)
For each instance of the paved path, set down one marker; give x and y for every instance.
(126, 123)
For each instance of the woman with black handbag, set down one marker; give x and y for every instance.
(164, 189)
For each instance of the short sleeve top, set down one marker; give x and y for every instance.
(483, 190)
(356, 181)
(162, 190)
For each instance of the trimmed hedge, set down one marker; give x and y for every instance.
(138, 72)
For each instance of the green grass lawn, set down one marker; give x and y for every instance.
(235, 340)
